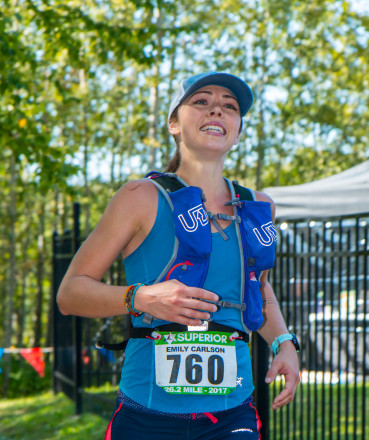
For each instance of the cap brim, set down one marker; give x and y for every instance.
(239, 89)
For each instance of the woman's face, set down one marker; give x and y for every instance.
(208, 121)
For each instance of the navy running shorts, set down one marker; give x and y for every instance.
(240, 423)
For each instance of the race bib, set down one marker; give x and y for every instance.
(202, 363)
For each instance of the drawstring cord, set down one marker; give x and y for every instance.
(208, 415)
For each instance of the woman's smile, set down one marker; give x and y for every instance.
(214, 128)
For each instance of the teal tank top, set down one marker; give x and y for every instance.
(224, 278)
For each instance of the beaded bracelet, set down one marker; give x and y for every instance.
(137, 285)
(128, 299)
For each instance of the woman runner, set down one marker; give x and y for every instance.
(196, 257)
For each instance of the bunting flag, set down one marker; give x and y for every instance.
(36, 358)
(1, 353)
(108, 354)
(85, 357)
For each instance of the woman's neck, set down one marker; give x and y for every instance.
(208, 178)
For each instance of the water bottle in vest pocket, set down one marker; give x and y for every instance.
(253, 314)
(189, 272)
(258, 240)
(258, 234)
(193, 237)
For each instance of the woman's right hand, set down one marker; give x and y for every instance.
(175, 302)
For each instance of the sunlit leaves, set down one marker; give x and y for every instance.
(78, 81)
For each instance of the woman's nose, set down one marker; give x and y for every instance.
(216, 110)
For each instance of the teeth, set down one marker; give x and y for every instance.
(213, 128)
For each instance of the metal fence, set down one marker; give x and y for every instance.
(68, 372)
(321, 279)
(78, 365)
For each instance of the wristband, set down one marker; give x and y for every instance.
(128, 299)
(133, 297)
(285, 337)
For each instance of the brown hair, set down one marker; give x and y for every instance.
(175, 161)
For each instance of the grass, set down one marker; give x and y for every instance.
(47, 416)
(52, 417)
(328, 412)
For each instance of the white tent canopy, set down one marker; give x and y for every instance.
(341, 194)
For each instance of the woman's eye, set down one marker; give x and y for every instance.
(231, 106)
(200, 101)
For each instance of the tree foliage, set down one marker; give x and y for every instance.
(83, 106)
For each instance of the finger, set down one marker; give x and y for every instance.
(196, 314)
(283, 398)
(203, 294)
(286, 395)
(272, 372)
(197, 304)
(194, 305)
(280, 404)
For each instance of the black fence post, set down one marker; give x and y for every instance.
(55, 332)
(63, 325)
(260, 360)
(77, 324)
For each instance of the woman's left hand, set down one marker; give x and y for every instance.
(286, 364)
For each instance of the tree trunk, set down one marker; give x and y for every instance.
(154, 120)
(86, 191)
(21, 309)
(262, 141)
(112, 165)
(86, 154)
(11, 285)
(261, 145)
(167, 145)
(40, 275)
(154, 95)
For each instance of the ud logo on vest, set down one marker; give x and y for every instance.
(268, 235)
(197, 215)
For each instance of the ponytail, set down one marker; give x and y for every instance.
(175, 161)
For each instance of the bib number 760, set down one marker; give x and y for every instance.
(194, 369)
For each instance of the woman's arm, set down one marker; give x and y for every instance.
(124, 225)
(119, 229)
(286, 361)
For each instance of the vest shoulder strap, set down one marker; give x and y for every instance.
(169, 182)
(244, 193)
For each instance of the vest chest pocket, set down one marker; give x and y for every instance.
(253, 314)
(258, 234)
(259, 237)
(193, 238)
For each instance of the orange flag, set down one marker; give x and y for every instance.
(36, 358)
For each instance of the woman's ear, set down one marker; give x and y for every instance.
(174, 128)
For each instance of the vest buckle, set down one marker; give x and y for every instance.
(198, 328)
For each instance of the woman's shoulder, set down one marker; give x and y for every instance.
(134, 206)
(263, 197)
(135, 202)
(138, 185)
(137, 192)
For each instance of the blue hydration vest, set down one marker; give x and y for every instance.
(190, 259)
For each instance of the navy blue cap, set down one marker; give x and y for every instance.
(239, 88)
